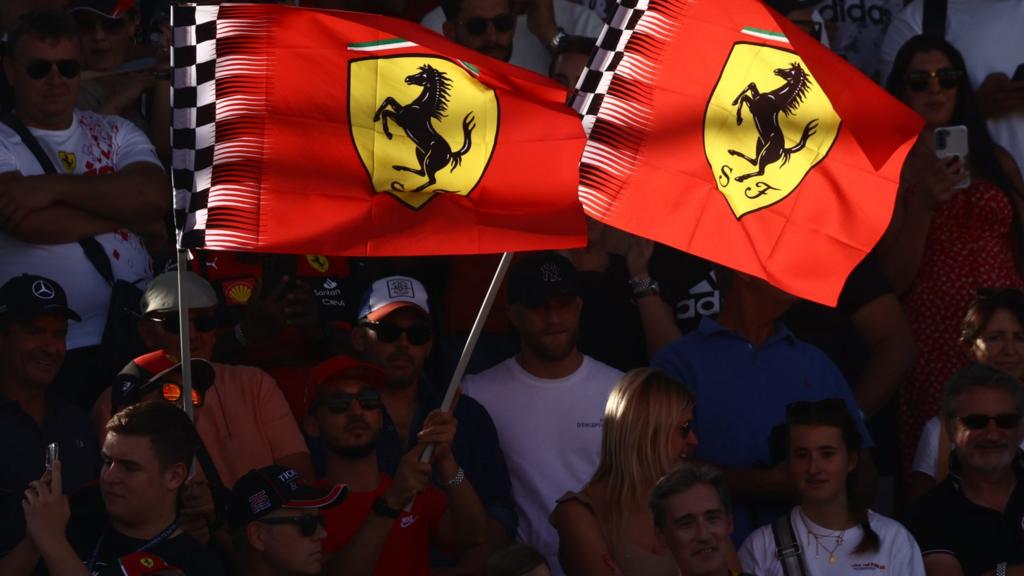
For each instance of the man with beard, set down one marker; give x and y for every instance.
(973, 521)
(547, 401)
(395, 333)
(377, 531)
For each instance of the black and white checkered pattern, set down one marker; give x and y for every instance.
(615, 96)
(217, 150)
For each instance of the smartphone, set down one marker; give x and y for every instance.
(952, 141)
(52, 454)
(1018, 76)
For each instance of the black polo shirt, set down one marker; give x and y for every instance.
(945, 521)
(23, 453)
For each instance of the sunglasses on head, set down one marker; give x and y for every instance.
(307, 524)
(92, 23)
(169, 322)
(172, 393)
(917, 80)
(39, 69)
(418, 334)
(339, 402)
(1006, 421)
(477, 26)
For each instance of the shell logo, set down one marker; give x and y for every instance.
(238, 292)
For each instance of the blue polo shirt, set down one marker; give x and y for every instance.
(742, 391)
(23, 453)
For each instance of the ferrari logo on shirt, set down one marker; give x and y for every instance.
(68, 161)
(318, 263)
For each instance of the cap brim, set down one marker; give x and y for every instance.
(310, 498)
(382, 312)
(113, 16)
(65, 311)
(202, 374)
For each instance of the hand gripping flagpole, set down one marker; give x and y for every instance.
(467, 350)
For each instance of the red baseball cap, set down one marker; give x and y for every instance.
(347, 366)
(108, 8)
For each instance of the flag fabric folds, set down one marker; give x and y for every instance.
(336, 133)
(723, 130)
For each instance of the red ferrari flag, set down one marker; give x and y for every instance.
(723, 130)
(337, 133)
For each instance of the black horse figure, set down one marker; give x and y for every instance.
(432, 151)
(765, 108)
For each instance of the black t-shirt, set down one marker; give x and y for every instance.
(689, 284)
(610, 328)
(945, 521)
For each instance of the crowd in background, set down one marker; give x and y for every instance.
(629, 409)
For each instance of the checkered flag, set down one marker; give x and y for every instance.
(616, 94)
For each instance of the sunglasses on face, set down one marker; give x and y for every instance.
(172, 393)
(918, 80)
(108, 25)
(1006, 421)
(418, 334)
(477, 26)
(169, 322)
(340, 402)
(307, 524)
(39, 69)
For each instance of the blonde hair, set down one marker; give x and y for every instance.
(640, 418)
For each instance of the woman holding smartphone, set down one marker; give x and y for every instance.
(946, 239)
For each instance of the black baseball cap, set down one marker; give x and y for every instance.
(143, 373)
(28, 296)
(540, 276)
(271, 488)
(108, 8)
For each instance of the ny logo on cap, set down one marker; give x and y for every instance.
(400, 288)
(259, 502)
(43, 290)
(549, 272)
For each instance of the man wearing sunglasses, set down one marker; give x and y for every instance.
(276, 522)
(973, 521)
(72, 181)
(375, 532)
(394, 332)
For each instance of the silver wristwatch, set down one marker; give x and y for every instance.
(456, 480)
(557, 39)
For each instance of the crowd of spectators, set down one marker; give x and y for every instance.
(629, 409)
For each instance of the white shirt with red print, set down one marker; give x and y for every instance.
(94, 144)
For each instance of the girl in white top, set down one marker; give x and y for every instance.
(837, 534)
(993, 334)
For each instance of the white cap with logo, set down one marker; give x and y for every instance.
(391, 293)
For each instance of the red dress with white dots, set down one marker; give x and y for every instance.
(968, 247)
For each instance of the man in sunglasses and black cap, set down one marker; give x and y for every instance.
(381, 529)
(78, 192)
(973, 521)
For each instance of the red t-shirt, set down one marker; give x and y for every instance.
(406, 550)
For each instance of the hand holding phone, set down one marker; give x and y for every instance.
(52, 455)
(951, 142)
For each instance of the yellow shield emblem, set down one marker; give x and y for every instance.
(767, 125)
(68, 161)
(423, 125)
(318, 263)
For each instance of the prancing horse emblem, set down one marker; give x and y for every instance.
(765, 108)
(433, 152)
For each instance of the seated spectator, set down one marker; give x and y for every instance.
(147, 453)
(692, 516)
(363, 536)
(745, 368)
(993, 334)
(832, 526)
(244, 420)
(522, 33)
(108, 29)
(34, 318)
(277, 523)
(517, 560)
(970, 523)
(395, 333)
(76, 198)
(938, 225)
(549, 395)
(606, 528)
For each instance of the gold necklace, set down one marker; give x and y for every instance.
(819, 545)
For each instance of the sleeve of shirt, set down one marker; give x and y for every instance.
(483, 461)
(276, 419)
(907, 557)
(932, 533)
(926, 457)
(905, 25)
(752, 552)
(132, 144)
(8, 163)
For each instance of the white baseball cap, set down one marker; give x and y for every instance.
(391, 293)
(162, 293)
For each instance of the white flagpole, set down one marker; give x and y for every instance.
(467, 350)
(184, 334)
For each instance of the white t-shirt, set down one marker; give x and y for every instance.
(527, 50)
(926, 458)
(990, 35)
(550, 431)
(94, 144)
(897, 555)
(860, 28)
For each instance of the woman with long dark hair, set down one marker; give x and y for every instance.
(946, 240)
(833, 526)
